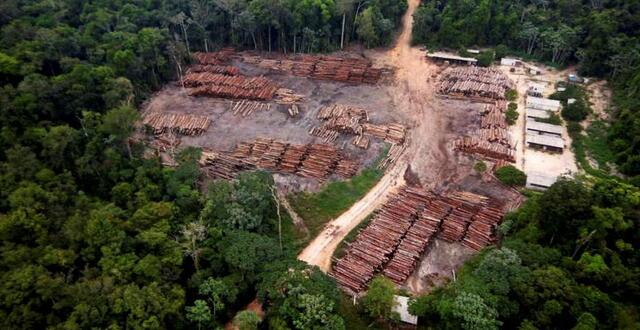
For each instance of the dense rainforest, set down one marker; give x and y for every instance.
(601, 36)
(94, 235)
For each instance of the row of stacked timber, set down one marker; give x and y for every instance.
(220, 57)
(415, 242)
(317, 161)
(349, 70)
(219, 69)
(492, 140)
(402, 230)
(375, 244)
(246, 108)
(475, 82)
(176, 123)
(394, 153)
(234, 87)
(491, 151)
(393, 133)
(481, 232)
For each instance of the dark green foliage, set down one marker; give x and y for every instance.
(480, 167)
(555, 268)
(486, 58)
(512, 114)
(511, 176)
(511, 95)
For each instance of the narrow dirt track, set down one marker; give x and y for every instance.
(412, 95)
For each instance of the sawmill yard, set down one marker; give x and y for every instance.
(315, 119)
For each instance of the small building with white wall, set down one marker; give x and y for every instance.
(543, 104)
(536, 89)
(402, 308)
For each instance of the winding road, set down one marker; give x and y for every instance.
(411, 93)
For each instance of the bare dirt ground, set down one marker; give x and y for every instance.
(409, 98)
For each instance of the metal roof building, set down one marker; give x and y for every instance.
(545, 142)
(543, 104)
(543, 128)
(510, 62)
(535, 113)
(540, 181)
(452, 57)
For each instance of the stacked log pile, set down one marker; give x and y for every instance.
(219, 69)
(415, 242)
(491, 151)
(176, 123)
(402, 230)
(214, 58)
(376, 243)
(221, 165)
(339, 118)
(481, 232)
(395, 152)
(475, 82)
(234, 87)
(361, 141)
(246, 108)
(491, 141)
(349, 70)
(318, 161)
(393, 133)
(287, 96)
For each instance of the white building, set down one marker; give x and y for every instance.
(536, 89)
(402, 307)
(510, 62)
(537, 114)
(545, 142)
(543, 104)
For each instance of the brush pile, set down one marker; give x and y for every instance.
(475, 82)
(233, 87)
(403, 229)
(317, 161)
(176, 123)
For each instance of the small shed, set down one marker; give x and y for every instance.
(510, 62)
(473, 51)
(537, 114)
(452, 58)
(543, 104)
(545, 142)
(534, 127)
(534, 70)
(536, 89)
(539, 181)
(402, 307)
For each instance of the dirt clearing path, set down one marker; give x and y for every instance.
(412, 95)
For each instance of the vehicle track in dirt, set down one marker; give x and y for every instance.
(413, 96)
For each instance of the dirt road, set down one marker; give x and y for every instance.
(413, 95)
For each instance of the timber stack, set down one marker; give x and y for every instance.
(233, 87)
(482, 83)
(490, 151)
(246, 108)
(415, 242)
(492, 140)
(335, 68)
(317, 161)
(403, 229)
(393, 133)
(220, 57)
(176, 123)
(211, 68)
